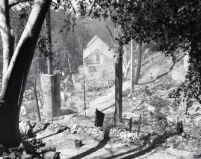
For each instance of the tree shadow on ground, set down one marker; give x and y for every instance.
(101, 144)
(142, 150)
(112, 105)
(163, 74)
(63, 112)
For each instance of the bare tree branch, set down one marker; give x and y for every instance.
(91, 7)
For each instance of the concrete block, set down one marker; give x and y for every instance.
(50, 85)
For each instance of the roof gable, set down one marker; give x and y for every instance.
(92, 40)
(96, 41)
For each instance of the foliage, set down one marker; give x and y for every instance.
(171, 24)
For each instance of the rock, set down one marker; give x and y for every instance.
(197, 121)
(78, 143)
(74, 132)
(26, 156)
(80, 130)
(170, 119)
(23, 110)
(51, 155)
(146, 89)
(151, 108)
(130, 135)
(26, 128)
(74, 127)
(194, 108)
(134, 98)
(129, 95)
(40, 126)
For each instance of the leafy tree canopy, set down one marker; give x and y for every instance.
(171, 24)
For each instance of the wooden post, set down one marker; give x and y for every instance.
(37, 104)
(130, 124)
(179, 126)
(84, 96)
(132, 68)
(49, 43)
(138, 69)
(115, 122)
(84, 84)
(139, 124)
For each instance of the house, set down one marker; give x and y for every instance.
(98, 60)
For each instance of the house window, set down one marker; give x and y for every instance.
(92, 69)
(98, 58)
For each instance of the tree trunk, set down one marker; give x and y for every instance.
(16, 75)
(132, 68)
(7, 37)
(137, 76)
(49, 42)
(118, 83)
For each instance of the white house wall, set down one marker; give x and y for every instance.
(106, 66)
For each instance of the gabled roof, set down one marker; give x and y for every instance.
(87, 53)
(92, 40)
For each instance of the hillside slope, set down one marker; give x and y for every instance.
(149, 104)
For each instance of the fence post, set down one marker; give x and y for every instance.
(130, 124)
(180, 127)
(115, 122)
(84, 87)
(139, 124)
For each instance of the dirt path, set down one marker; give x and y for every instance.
(106, 102)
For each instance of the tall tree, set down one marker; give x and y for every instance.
(171, 24)
(118, 43)
(16, 67)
